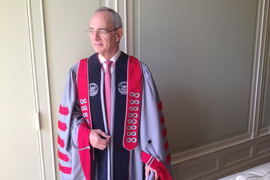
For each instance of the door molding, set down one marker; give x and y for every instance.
(41, 85)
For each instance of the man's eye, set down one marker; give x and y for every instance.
(102, 31)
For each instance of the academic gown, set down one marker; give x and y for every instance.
(79, 161)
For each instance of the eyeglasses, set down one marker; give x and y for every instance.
(99, 31)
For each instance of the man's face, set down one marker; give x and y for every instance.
(105, 44)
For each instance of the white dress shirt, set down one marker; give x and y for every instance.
(114, 58)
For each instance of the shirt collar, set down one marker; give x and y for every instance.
(114, 58)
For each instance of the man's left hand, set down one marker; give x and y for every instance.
(147, 172)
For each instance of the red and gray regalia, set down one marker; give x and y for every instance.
(138, 132)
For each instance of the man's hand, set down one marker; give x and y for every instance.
(147, 172)
(99, 139)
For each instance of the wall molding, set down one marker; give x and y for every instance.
(41, 85)
(259, 67)
(34, 75)
(265, 130)
(226, 161)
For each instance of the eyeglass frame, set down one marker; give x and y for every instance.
(99, 31)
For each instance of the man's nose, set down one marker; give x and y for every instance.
(96, 36)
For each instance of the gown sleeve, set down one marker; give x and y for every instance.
(72, 128)
(153, 133)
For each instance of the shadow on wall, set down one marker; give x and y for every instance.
(195, 118)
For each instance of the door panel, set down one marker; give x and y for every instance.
(19, 152)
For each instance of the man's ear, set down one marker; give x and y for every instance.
(119, 33)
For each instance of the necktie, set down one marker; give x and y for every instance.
(108, 92)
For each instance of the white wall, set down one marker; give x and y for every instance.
(19, 148)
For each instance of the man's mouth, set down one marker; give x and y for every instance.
(97, 44)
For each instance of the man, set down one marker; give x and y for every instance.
(111, 123)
